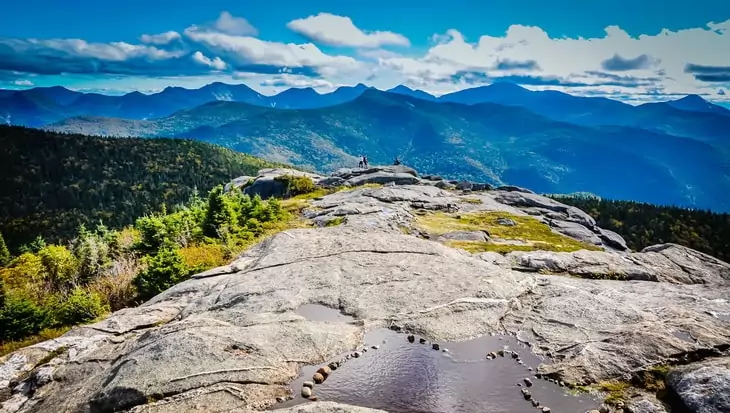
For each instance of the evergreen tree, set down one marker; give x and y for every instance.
(4, 253)
(220, 214)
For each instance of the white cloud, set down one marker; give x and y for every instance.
(615, 64)
(235, 26)
(23, 82)
(160, 39)
(333, 30)
(243, 51)
(215, 63)
(658, 59)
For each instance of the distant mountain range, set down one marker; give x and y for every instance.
(664, 153)
(691, 116)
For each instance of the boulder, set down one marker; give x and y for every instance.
(266, 185)
(703, 387)
(612, 240)
(464, 185)
(332, 182)
(575, 231)
(481, 236)
(512, 188)
(239, 182)
(381, 177)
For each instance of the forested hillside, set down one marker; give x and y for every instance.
(484, 142)
(643, 225)
(53, 182)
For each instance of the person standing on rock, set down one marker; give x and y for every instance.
(362, 162)
(365, 160)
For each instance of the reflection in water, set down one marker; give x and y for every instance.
(408, 377)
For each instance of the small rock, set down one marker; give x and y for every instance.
(306, 392)
(375, 347)
(308, 384)
(520, 362)
(411, 338)
(333, 366)
(492, 355)
(435, 346)
(396, 328)
(507, 222)
(620, 405)
(538, 375)
(501, 353)
(515, 355)
(318, 378)
(535, 403)
(546, 410)
(526, 394)
(422, 341)
(356, 354)
(364, 349)
(603, 409)
(519, 384)
(561, 383)
(528, 382)
(347, 357)
(280, 400)
(529, 369)
(324, 371)
(445, 350)
(313, 398)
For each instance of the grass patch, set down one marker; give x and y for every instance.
(471, 201)
(616, 391)
(47, 334)
(528, 230)
(335, 222)
(203, 257)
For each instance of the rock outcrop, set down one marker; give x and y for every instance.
(229, 338)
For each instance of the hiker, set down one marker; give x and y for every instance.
(365, 160)
(397, 161)
(360, 164)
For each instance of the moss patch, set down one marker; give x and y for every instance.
(615, 391)
(532, 234)
(335, 222)
(475, 201)
(47, 334)
(52, 355)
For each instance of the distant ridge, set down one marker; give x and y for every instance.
(487, 142)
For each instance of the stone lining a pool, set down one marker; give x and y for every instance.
(404, 373)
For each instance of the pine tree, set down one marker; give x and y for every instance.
(4, 253)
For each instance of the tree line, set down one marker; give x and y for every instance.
(54, 182)
(643, 225)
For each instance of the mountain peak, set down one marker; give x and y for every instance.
(506, 86)
(693, 99)
(400, 88)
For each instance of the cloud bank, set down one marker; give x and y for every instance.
(616, 64)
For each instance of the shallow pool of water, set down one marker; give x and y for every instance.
(400, 376)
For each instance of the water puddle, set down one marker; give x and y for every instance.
(401, 373)
(683, 336)
(317, 312)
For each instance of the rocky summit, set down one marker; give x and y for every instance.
(643, 331)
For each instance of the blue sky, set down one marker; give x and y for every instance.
(632, 50)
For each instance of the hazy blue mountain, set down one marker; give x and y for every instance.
(484, 142)
(308, 98)
(689, 117)
(405, 90)
(597, 111)
(695, 103)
